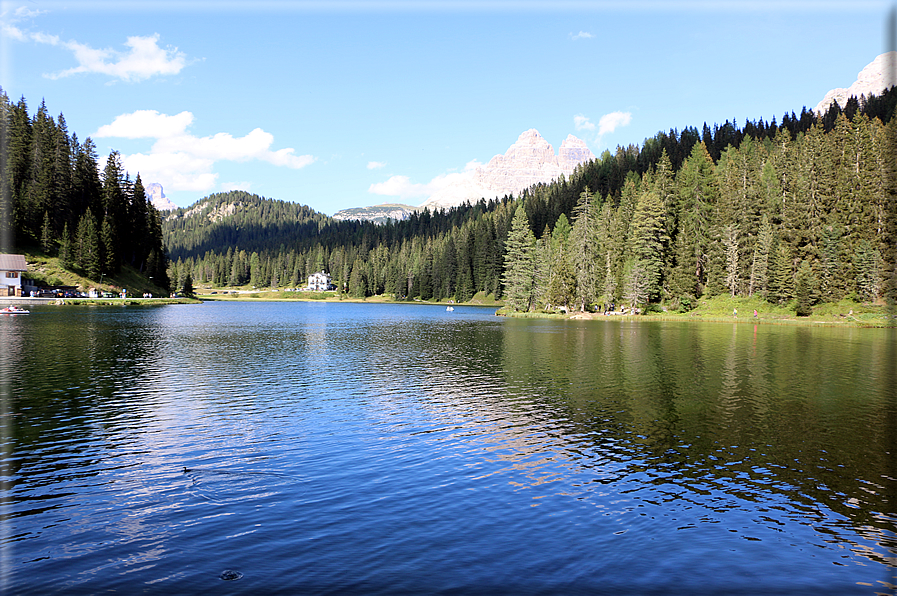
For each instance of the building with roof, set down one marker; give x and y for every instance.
(11, 269)
(319, 281)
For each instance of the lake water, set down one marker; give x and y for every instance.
(401, 449)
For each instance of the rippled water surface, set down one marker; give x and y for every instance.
(307, 448)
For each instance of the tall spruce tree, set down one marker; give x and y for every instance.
(519, 277)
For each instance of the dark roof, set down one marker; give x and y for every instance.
(13, 263)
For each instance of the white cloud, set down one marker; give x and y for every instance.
(146, 124)
(23, 12)
(606, 124)
(181, 161)
(609, 122)
(376, 165)
(581, 122)
(400, 186)
(141, 59)
(581, 35)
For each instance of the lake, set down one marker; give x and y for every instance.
(331, 448)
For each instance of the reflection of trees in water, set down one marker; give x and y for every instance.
(754, 413)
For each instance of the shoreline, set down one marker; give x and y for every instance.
(28, 301)
(878, 318)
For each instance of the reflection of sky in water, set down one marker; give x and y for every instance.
(336, 431)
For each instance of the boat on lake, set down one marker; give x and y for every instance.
(14, 310)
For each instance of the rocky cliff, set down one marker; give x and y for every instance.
(157, 197)
(531, 160)
(877, 76)
(377, 213)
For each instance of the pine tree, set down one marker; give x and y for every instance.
(111, 262)
(562, 285)
(584, 246)
(805, 289)
(89, 255)
(730, 242)
(781, 282)
(868, 265)
(518, 279)
(636, 290)
(66, 258)
(187, 287)
(46, 237)
(760, 259)
(648, 240)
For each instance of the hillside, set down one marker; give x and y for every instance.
(237, 219)
(795, 213)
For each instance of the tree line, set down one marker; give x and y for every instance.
(54, 196)
(799, 210)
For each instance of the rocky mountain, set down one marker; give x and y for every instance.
(531, 160)
(377, 213)
(877, 76)
(157, 197)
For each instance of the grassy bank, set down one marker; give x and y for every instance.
(48, 272)
(122, 301)
(249, 295)
(741, 309)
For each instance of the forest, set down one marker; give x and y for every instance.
(797, 212)
(801, 210)
(54, 197)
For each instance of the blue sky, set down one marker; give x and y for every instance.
(332, 104)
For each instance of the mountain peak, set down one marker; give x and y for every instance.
(531, 160)
(157, 197)
(875, 77)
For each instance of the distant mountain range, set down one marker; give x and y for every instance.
(531, 160)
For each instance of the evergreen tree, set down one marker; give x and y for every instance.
(584, 249)
(187, 286)
(562, 285)
(46, 235)
(66, 256)
(805, 289)
(730, 242)
(636, 290)
(868, 266)
(89, 253)
(781, 282)
(357, 283)
(109, 238)
(760, 260)
(647, 241)
(519, 276)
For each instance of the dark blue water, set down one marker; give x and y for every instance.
(401, 449)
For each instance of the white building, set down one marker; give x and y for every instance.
(319, 281)
(11, 269)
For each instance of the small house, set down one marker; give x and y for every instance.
(319, 281)
(11, 269)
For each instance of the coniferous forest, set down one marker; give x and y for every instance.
(54, 196)
(801, 211)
